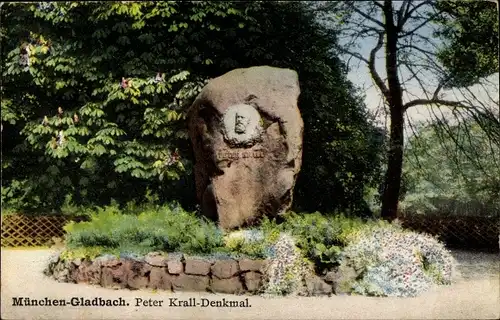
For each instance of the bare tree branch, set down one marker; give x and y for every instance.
(430, 101)
(490, 97)
(486, 111)
(409, 46)
(378, 4)
(355, 55)
(355, 35)
(409, 13)
(402, 12)
(373, 71)
(448, 103)
(426, 67)
(422, 24)
(364, 15)
(438, 89)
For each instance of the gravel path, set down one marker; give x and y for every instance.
(474, 296)
(476, 265)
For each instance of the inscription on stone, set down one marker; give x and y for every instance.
(235, 155)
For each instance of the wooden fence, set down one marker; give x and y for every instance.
(32, 231)
(465, 232)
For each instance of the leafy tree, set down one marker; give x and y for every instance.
(444, 172)
(469, 30)
(411, 55)
(94, 97)
(90, 105)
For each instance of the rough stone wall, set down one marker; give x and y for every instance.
(175, 273)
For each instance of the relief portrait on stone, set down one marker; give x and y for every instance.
(241, 123)
(242, 126)
(246, 130)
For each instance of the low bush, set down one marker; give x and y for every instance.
(142, 229)
(167, 228)
(255, 242)
(397, 263)
(322, 238)
(252, 242)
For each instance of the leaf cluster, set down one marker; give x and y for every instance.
(469, 30)
(323, 237)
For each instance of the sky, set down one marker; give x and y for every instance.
(359, 75)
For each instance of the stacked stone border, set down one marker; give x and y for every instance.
(177, 272)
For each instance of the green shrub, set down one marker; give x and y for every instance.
(168, 228)
(388, 260)
(322, 238)
(248, 242)
(255, 242)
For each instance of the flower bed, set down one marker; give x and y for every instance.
(306, 254)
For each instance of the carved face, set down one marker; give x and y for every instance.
(241, 126)
(240, 123)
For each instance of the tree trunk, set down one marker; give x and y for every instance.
(392, 183)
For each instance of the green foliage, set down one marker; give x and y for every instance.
(143, 229)
(168, 228)
(90, 253)
(8, 211)
(322, 238)
(252, 242)
(469, 30)
(452, 171)
(255, 242)
(123, 90)
(77, 120)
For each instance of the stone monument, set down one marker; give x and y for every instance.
(246, 131)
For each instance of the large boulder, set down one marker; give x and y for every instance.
(246, 131)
